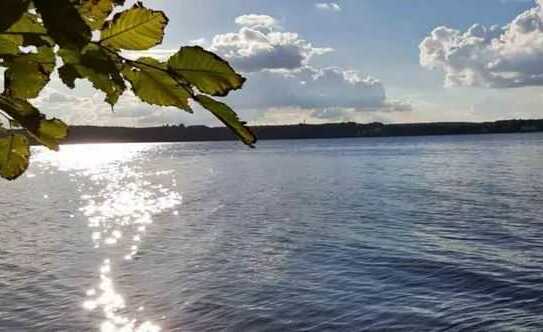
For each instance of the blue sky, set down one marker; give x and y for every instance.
(351, 60)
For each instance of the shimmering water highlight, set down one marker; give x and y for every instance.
(419, 234)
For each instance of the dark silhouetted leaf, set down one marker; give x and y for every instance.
(96, 66)
(63, 23)
(224, 113)
(68, 74)
(11, 11)
(14, 155)
(47, 132)
(205, 70)
(152, 84)
(137, 28)
(28, 74)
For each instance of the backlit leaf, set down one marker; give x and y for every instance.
(224, 113)
(95, 12)
(64, 23)
(11, 11)
(25, 32)
(137, 28)
(205, 70)
(47, 132)
(51, 132)
(31, 30)
(28, 74)
(9, 45)
(14, 155)
(153, 85)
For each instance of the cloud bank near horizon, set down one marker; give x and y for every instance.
(281, 75)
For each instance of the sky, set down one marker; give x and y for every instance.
(306, 61)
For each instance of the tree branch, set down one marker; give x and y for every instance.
(179, 79)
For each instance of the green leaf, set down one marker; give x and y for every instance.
(64, 23)
(51, 132)
(28, 74)
(11, 11)
(31, 30)
(137, 28)
(95, 12)
(47, 132)
(205, 70)
(25, 32)
(152, 84)
(224, 113)
(96, 66)
(68, 74)
(14, 155)
(9, 45)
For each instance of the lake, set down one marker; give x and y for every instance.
(371, 234)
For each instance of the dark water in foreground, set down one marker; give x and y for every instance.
(399, 234)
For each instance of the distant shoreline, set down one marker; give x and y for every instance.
(91, 134)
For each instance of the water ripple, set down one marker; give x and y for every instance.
(417, 234)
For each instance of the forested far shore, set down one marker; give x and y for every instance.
(181, 133)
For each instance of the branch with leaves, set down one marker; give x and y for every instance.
(87, 37)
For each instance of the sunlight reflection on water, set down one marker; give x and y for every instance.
(118, 216)
(406, 234)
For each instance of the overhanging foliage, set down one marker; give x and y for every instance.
(84, 39)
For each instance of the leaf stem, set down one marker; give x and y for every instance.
(181, 81)
(22, 33)
(5, 116)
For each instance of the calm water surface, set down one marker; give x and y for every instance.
(399, 234)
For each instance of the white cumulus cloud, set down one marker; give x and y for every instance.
(281, 75)
(315, 88)
(494, 57)
(258, 22)
(260, 45)
(328, 6)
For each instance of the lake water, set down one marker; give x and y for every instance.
(398, 234)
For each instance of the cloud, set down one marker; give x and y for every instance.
(157, 53)
(263, 23)
(493, 57)
(312, 88)
(328, 6)
(296, 115)
(281, 75)
(90, 109)
(258, 45)
(198, 42)
(54, 97)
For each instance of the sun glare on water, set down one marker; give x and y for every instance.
(118, 210)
